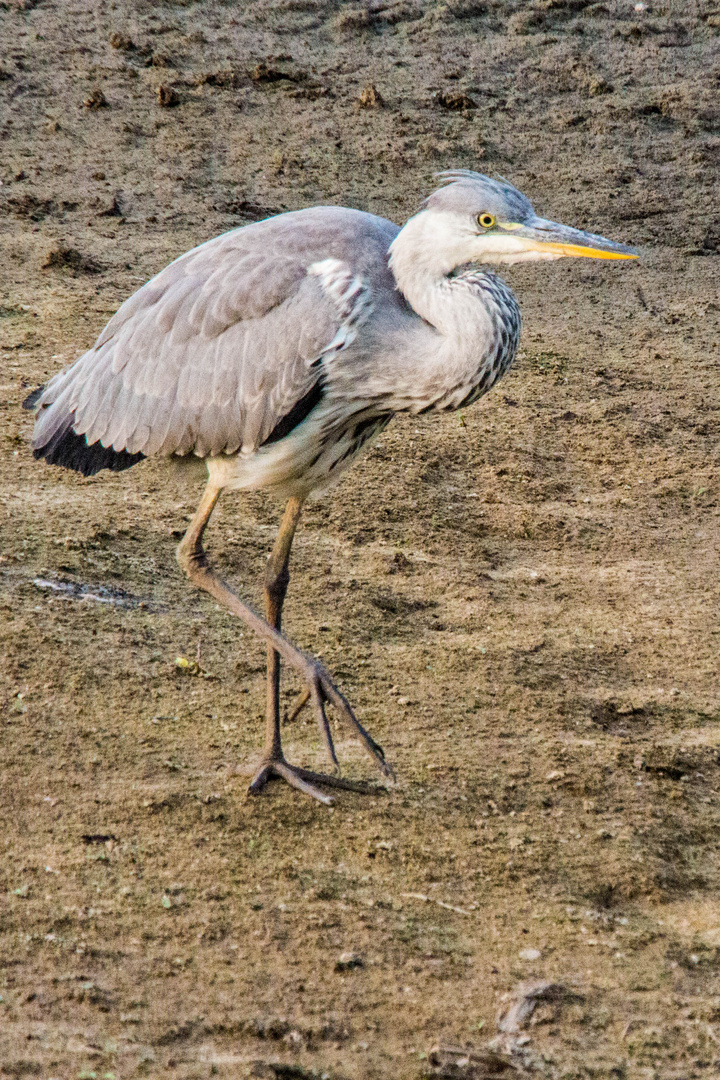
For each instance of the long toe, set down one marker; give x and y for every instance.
(262, 774)
(306, 781)
(296, 780)
(322, 689)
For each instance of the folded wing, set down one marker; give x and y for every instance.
(213, 355)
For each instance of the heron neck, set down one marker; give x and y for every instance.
(422, 261)
(421, 266)
(470, 320)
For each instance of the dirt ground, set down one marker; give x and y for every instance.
(521, 600)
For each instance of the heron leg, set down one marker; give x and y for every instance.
(193, 560)
(277, 578)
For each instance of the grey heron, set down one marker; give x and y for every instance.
(277, 351)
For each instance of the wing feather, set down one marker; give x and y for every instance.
(211, 354)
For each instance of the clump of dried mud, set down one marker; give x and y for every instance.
(521, 600)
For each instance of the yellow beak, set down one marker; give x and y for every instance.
(548, 236)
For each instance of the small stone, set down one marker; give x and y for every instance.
(454, 100)
(161, 60)
(96, 100)
(347, 961)
(598, 87)
(370, 98)
(60, 256)
(261, 73)
(121, 41)
(167, 97)
(466, 1061)
(529, 954)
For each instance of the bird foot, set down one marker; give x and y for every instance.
(322, 690)
(304, 780)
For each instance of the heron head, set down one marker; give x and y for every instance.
(483, 220)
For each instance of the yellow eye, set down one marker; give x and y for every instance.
(485, 221)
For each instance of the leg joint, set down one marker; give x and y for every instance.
(191, 558)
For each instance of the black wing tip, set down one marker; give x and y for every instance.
(32, 399)
(71, 451)
(299, 412)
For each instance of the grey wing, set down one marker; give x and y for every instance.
(208, 357)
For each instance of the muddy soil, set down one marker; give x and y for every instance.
(521, 600)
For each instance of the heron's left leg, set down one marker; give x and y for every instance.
(277, 578)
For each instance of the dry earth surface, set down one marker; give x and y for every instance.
(521, 601)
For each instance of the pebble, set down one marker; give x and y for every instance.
(347, 961)
(370, 98)
(167, 97)
(96, 100)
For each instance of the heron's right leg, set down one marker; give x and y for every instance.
(192, 558)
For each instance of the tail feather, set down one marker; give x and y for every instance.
(32, 399)
(71, 450)
(55, 440)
